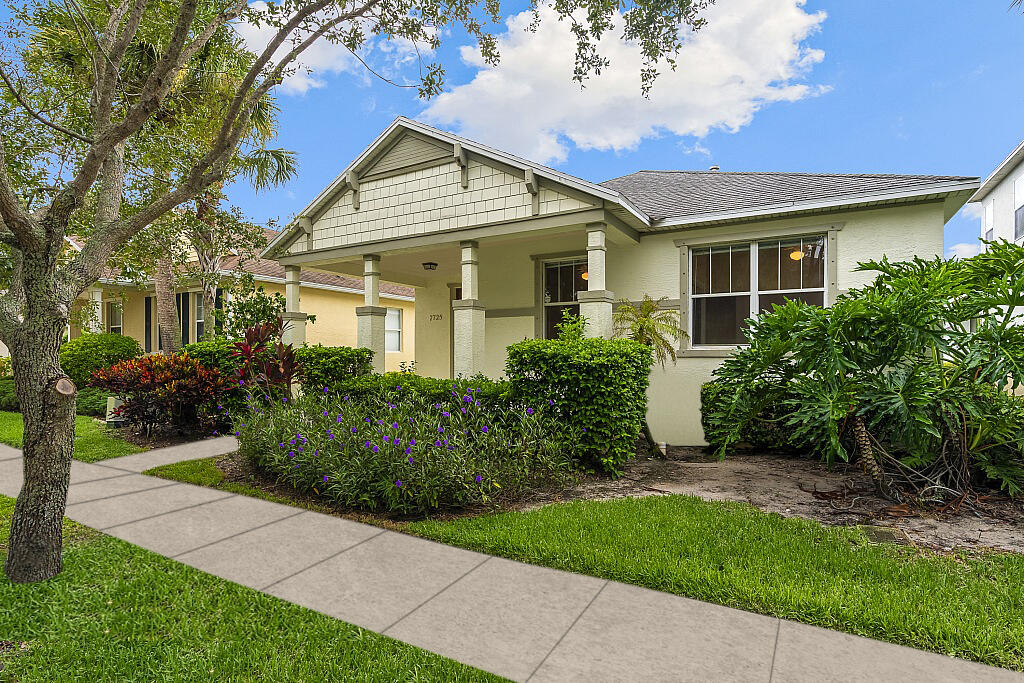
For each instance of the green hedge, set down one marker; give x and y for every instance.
(597, 385)
(328, 366)
(767, 432)
(90, 401)
(486, 391)
(81, 356)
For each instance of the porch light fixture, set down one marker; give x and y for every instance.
(796, 255)
(584, 275)
(429, 265)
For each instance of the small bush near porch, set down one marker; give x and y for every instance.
(597, 386)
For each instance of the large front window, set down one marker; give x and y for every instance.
(563, 281)
(728, 285)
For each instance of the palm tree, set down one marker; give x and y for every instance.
(652, 324)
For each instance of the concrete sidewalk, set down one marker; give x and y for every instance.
(517, 620)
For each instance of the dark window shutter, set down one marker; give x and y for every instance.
(185, 319)
(149, 324)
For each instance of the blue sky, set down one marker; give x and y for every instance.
(915, 86)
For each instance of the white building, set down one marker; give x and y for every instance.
(497, 246)
(1002, 200)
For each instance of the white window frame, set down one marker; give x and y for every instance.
(393, 329)
(112, 306)
(753, 293)
(561, 261)
(197, 308)
(1018, 205)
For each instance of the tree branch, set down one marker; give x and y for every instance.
(36, 115)
(14, 218)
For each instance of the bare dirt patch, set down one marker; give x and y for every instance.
(798, 487)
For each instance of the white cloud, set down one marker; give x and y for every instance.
(751, 53)
(964, 250)
(389, 57)
(972, 211)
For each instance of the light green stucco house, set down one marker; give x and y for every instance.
(497, 246)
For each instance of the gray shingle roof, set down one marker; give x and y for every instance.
(673, 194)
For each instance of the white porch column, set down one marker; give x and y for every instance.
(96, 301)
(596, 302)
(370, 316)
(294, 320)
(468, 316)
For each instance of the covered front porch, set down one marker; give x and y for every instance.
(478, 290)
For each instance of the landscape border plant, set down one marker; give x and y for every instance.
(403, 452)
(914, 374)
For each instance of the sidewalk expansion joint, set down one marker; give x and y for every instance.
(319, 562)
(571, 626)
(169, 512)
(410, 612)
(117, 495)
(775, 649)
(240, 533)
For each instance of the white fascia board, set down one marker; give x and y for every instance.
(938, 189)
(999, 174)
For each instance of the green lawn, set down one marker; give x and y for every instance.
(92, 440)
(122, 613)
(733, 554)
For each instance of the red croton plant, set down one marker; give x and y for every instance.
(267, 365)
(161, 390)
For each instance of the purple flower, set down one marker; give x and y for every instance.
(376, 449)
(398, 483)
(326, 390)
(437, 443)
(479, 479)
(292, 442)
(354, 430)
(284, 399)
(440, 430)
(551, 401)
(366, 420)
(330, 436)
(410, 457)
(300, 449)
(281, 444)
(316, 452)
(387, 440)
(467, 399)
(291, 454)
(584, 430)
(398, 387)
(215, 432)
(339, 418)
(477, 404)
(368, 444)
(485, 429)
(437, 405)
(412, 442)
(397, 442)
(529, 411)
(463, 411)
(237, 434)
(395, 425)
(446, 414)
(325, 413)
(325, 478)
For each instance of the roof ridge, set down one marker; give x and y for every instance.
(788, 173)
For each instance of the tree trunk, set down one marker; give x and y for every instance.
(866, 453)
(34, 552)
(167, 306)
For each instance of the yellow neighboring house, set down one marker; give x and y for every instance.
(126, 308)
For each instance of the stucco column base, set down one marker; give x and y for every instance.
(294, 328)
(596, 307)
(370, 332)
(468, 318)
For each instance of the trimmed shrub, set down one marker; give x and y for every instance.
(8, 397)
(767, 432)
(216, 353)
(328, 366)
(83, 355)
(5, 366)
(598, 386)
(403, 452)
(90, 401)
(165, 391)
(488, 392)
